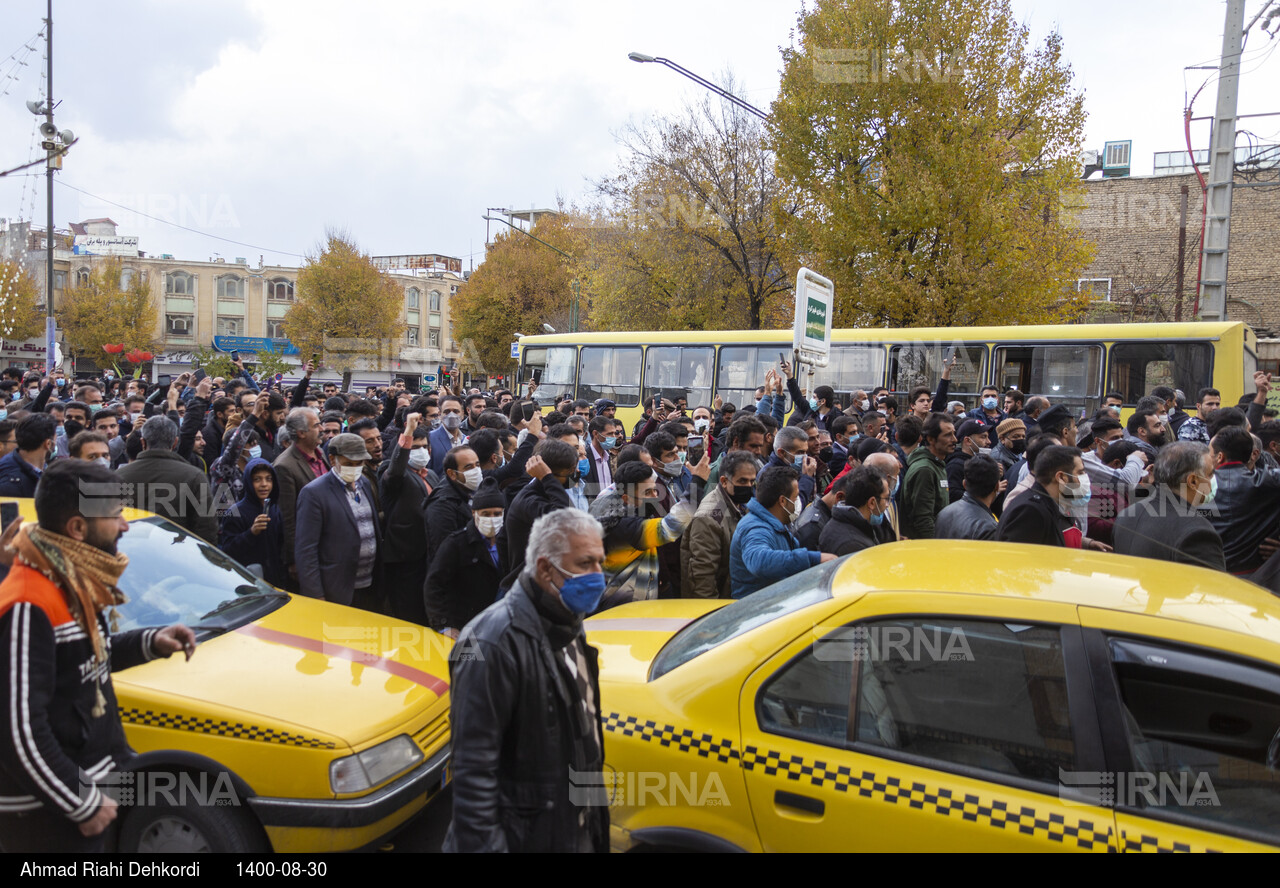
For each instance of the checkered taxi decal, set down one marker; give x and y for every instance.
(936, 800)
(238, 730)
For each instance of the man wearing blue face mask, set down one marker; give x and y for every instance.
(860, 522)
(791, 448)
(988, 409)
(529, 646)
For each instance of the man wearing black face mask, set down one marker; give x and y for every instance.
(1012, 435)
(704, 548)
(524, 708)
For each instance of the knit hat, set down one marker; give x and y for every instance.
(487, 496)
(1010, 425)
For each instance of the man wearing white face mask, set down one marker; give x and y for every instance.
(467, 568)
(336, 532)
(448, 508)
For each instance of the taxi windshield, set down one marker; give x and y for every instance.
(175, 577)
(785, 597)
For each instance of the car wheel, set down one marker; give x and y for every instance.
(189, 828)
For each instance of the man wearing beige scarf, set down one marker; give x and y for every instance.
(60, 731)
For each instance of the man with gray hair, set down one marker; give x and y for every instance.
(1167, 525)
(165, 483)
(791, 448)
(302, 463)
(524, 704)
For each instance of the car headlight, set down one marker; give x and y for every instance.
(364, 770)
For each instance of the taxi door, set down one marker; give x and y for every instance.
(902, 725)
(1191, 725)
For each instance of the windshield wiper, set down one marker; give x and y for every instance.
(239, 600)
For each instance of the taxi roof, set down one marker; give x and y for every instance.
(1090, 579)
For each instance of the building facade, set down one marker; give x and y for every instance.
(231, 305)
(1135, 224)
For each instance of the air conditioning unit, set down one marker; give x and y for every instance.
(1115, 158)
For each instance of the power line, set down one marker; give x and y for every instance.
(183, 227)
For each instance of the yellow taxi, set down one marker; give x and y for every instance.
(948, 696)
(298, 725)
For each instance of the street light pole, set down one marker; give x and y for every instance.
(48, 112)
(644, 58)
(573, 311)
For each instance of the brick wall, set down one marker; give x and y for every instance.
(1134, 224)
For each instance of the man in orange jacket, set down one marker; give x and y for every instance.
(60, 730)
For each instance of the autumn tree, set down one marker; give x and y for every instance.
(932, 156)
(109, 309)
(345, 307)
(20, 319)
(520, 286)
(685, 234)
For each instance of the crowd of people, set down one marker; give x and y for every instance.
(420, 505)
(487, 519)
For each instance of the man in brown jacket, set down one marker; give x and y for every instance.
(302, 463)
(704, 549)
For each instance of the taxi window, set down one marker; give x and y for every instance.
(785, 597)
(982, 695)
(1204, 732)
(176, 577)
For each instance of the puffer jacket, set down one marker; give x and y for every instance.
(237, 539)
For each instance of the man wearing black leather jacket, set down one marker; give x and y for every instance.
(1245, 509)
(528, 752)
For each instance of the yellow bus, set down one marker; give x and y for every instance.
(1072, 364)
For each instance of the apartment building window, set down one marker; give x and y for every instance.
(82, 277)
(435, 300)
(280, 288)
(126, 278)
(179, 283)
(414, 296)
(179, 326)
(433, 338)
(275, 329)
(413, 335)
(230, 326)
(60, 280)
(230, 287)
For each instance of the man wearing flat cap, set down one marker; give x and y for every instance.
(336, 536)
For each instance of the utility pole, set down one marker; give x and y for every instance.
(50, 128)
(1212, 298)
(1182, 254)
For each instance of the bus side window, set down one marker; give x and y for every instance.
(1138, 367)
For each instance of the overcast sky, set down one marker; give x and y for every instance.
(264, 121)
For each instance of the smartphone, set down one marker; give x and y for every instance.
(527, 411)
(782, 357)
(197, 376)
(537, 375)
(165, 380)
(695, 441)
(951, 353)
(8, 514)
(235, 354)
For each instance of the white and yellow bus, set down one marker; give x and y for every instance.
(1074, 364)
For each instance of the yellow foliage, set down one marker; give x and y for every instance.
(521, 285)
(345, 307)
(932, 157)
(101, 312)
(20, 319)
